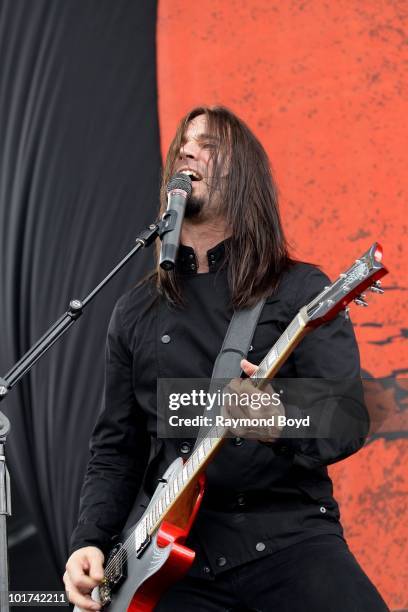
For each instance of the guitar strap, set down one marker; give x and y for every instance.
(235, 347)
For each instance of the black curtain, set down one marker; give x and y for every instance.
(79, 178)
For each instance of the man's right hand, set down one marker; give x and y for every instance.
(84, 571)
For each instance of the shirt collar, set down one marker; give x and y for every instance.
(187, 261)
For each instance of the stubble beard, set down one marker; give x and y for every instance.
(194, 208)
(202, 208)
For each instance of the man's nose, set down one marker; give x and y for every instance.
(188, 151)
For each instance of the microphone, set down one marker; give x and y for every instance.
(178, 192)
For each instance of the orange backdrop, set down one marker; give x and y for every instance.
(322, 85)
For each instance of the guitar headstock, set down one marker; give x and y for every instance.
(364, 273)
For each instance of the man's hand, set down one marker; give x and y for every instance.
(84, 571)
(240, 386)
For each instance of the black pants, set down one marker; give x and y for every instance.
(317, 575)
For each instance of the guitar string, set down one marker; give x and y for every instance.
(128, 548)
(129, 545)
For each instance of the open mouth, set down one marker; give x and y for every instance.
(194, 176)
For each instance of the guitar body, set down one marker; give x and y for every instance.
(173, 560)
(165, 559)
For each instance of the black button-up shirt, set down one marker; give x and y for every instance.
(259, 497)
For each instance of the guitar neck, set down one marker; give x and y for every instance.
(281, 350)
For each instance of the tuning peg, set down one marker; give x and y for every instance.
(376, 287)
(360, 301)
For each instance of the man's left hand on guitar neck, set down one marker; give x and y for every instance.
(263, 410)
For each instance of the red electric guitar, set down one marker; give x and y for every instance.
(152, 555)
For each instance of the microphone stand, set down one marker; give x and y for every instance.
(75, 310)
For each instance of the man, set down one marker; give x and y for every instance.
(268, 535)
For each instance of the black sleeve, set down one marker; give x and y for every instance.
(329, 352)
(119, 449)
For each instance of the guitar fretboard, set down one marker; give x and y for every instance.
(173, 488)
(283, 346)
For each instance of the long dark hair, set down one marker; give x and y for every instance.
(257, 251)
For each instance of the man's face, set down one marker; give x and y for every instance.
(195, 160)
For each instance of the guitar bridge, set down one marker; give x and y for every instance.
(105, 592)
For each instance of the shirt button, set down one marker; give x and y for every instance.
(185, 448)
(323, 510)
(193, 266)
(238, 442)
(206, 569)
(241, 500)
(251, 348)
(260, 546)
(221, 561)
(165, 339)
